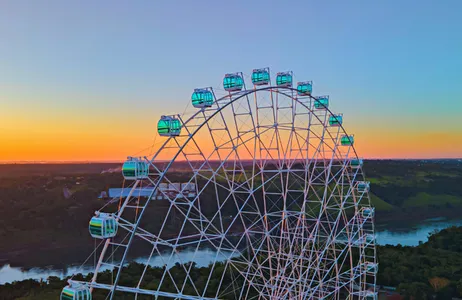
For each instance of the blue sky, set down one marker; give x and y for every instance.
(390, 66)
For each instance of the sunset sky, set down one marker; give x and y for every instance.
(88, 80)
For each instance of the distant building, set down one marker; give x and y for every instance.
(171, 191)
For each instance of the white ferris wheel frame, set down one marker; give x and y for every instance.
(202, 118)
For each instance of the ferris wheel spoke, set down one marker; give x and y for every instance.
(332, 242)
(345, 279)
(271, 189)
(155, 241)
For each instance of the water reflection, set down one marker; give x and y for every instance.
(411, 235)
(406, 235)
(202, 258)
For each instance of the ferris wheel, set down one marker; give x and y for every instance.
(263, 177)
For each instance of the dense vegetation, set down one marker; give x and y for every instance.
(48, 213)
(407, 185)
(431, 270)
(47, 207)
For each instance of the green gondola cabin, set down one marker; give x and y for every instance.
(260, 77)
(284, 79)
(168, 126)
(202, 98)
(75, 292)
(233, 82)
(370, 238)
(368, 212)
(356, 163)
(372, 267)
(134, 169)
(371, 295)
(335, 120)
(304, 88)
(363, 186)
(103, 226)
(321, 102)
(347, 140)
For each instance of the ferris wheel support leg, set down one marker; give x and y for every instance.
(100, 261)
(106, 244)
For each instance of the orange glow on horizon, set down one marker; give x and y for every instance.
(63, 135)
(100, 145)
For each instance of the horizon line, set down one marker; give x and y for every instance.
(121, 161)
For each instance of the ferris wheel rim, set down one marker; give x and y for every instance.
(242, 94)
(239, 95)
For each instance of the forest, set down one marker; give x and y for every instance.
(432, 270)
(46, 208)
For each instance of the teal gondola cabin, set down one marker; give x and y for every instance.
(321, 102)
(103, 226)
(169, 126)
(260, 77)
(371, 295)
(202, 98)
(347, 140)
(134, 169)
(233, 82)
(75, 292)
(372, 267)
(284, 79)
(356, 163)
(335, 120)
(370, 238)
(363, 186)
(304, 88)
(367, 212)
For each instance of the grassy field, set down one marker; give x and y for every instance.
(425, 199)
(379, 204)
(401, 185)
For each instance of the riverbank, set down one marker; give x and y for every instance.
(38, 266)
(409, 217)
(393, 228)
(428, 271)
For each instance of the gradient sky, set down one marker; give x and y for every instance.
(88, 80)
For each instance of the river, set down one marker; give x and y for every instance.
(405, 235)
